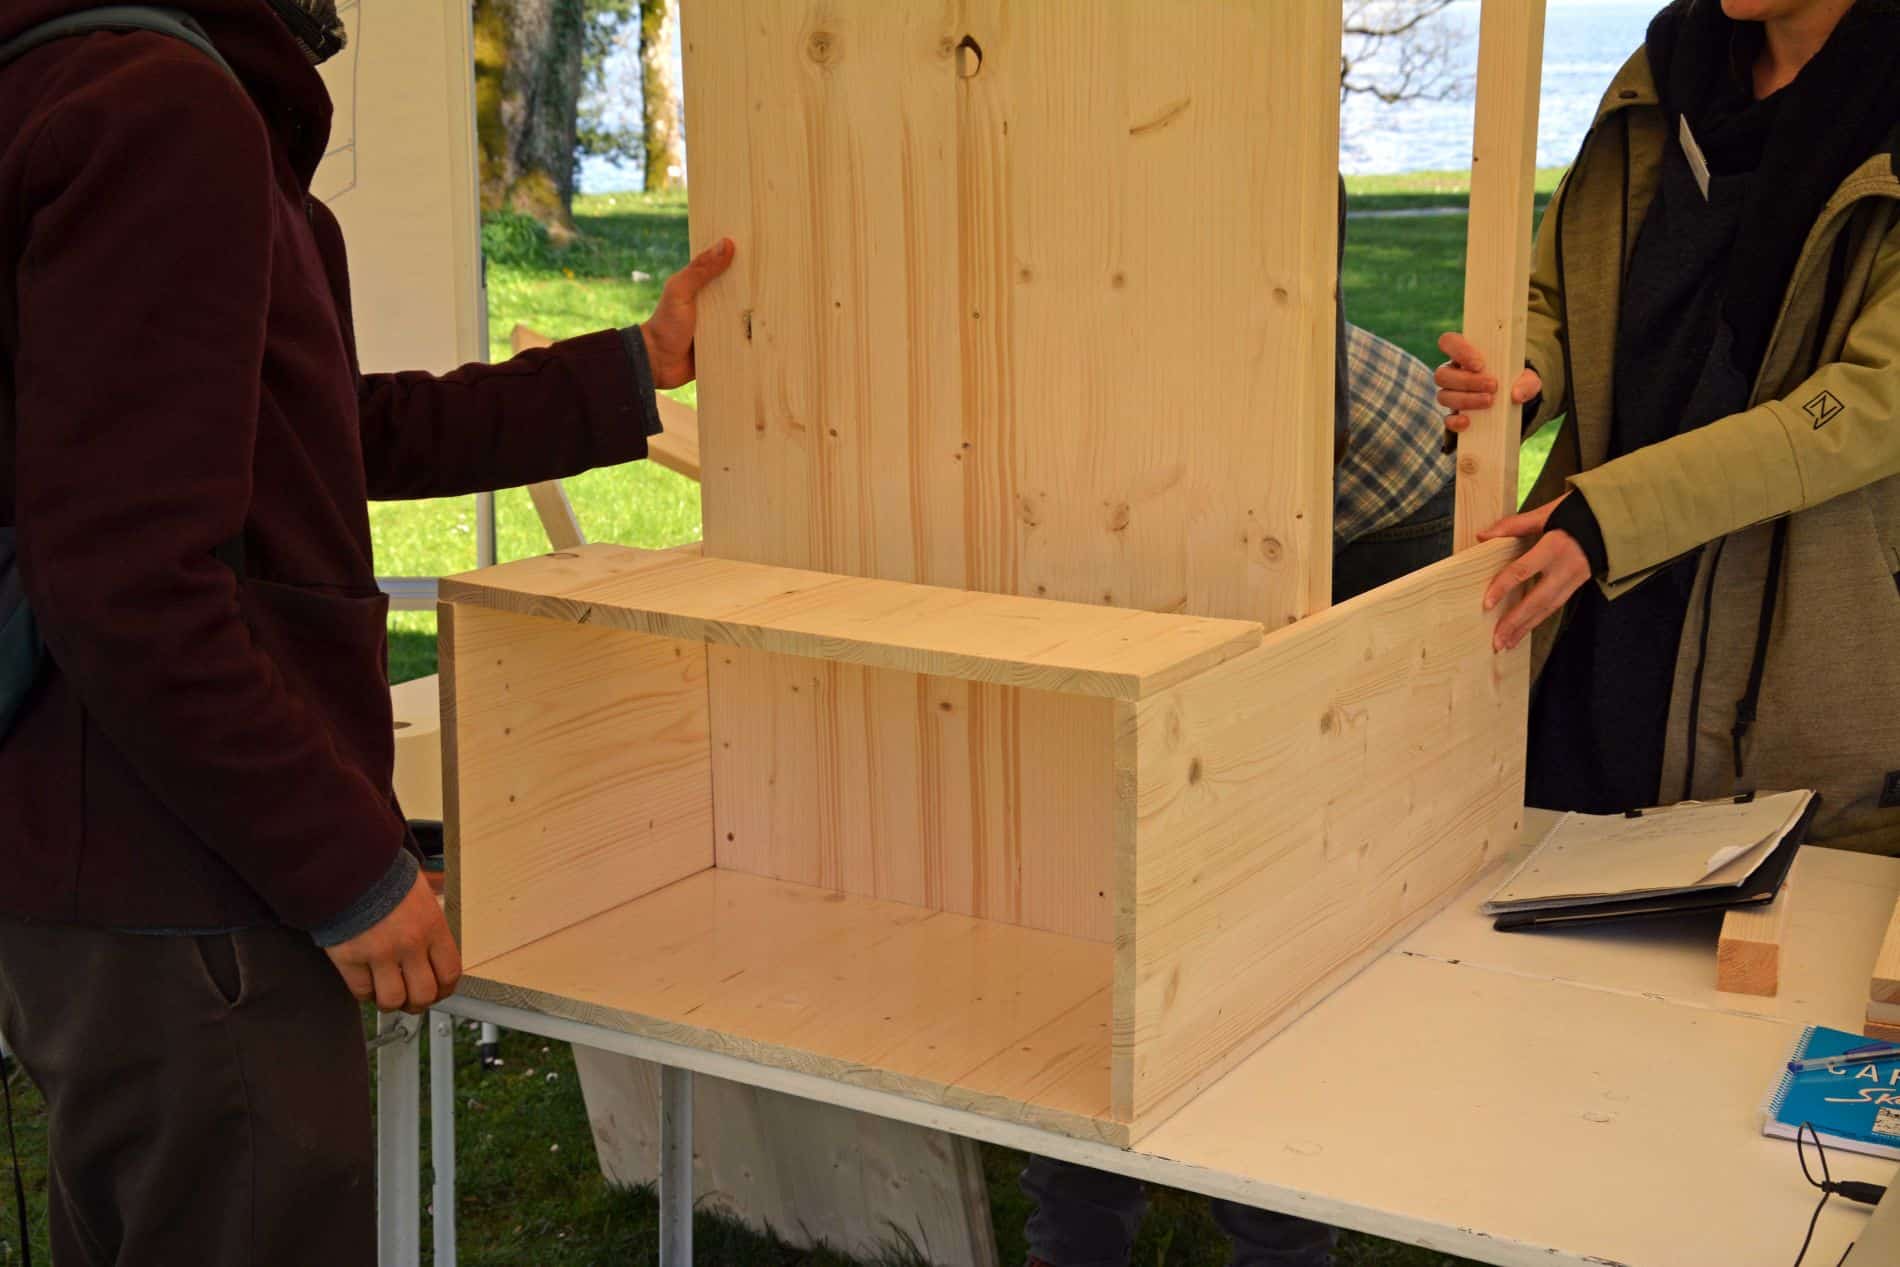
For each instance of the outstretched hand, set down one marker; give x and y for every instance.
(668, 333)
(1553, 569)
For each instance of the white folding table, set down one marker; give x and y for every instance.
(1574, 1098)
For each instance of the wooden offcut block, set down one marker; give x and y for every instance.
(1748, 951)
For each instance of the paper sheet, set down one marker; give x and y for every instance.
(1694, 845)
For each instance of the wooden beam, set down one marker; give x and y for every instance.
(1498, 253)
(1748, 952)
(1073, 648)
(676, 447)
(1299, 808)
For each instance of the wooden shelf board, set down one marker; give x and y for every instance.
(1074, 648)
(990, 1017)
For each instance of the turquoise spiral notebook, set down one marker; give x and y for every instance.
(1854, 1106)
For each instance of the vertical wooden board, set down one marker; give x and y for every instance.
(581, 772)
(1498, 265)
(985, 332)
(1301, 806)
(959, 796)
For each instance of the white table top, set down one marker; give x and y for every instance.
(1582, 1098)
(1574, 1097)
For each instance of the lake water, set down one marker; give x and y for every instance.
(1585, 43)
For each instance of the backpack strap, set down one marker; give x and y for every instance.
(116, 17)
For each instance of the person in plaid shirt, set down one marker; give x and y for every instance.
(1392, 489)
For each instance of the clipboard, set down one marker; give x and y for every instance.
(1758, 889)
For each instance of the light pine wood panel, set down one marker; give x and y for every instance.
(958, 796)
(1884, 987)
(1498, 266)
(980, 637)
(580, 763)
(1033, 299)
(971, 1013)
(1299, 809)
(814, 1173)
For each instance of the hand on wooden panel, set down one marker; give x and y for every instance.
(405, 963)
(1547, 574)
(1463, 384)
(668, 333)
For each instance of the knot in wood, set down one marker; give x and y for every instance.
(1271, 549)
(822, 47)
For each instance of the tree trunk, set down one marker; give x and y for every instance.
(660, 94)
(527, 104)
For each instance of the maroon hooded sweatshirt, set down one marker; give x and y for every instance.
(178, 370)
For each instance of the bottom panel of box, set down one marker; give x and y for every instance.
(993, 1018)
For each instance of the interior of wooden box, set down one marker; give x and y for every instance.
(743, 850)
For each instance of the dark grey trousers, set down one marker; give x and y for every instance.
(207, 1096)
(1088, 1218)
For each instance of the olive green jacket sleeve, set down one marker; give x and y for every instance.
(1838, 431)
(1544, 333)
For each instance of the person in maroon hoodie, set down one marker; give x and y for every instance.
(202, 864)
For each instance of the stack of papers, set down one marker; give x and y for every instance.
(1694, 848)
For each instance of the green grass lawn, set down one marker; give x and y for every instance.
(530, 1192)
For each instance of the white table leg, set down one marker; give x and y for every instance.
(676, 1167)
(398, 1141)
(442, 1132)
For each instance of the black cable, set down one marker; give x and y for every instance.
(1848, 1189)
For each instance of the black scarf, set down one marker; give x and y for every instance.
(1841, 109)
(316, 25)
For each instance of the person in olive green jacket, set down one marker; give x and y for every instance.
(1715, 312)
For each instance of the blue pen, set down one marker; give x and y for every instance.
(1858, 1056)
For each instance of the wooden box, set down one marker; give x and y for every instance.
(1000, 748)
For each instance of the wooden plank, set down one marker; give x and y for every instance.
(814, 1173)
(971, 636)
(676, 447)
(417, 707)
(1884, 985)
(557, 515)
(893, 785)
(980, 247)
(944, 1008)
(581, 772)
(1301, 807)
(1748, 952)
(1498, 259)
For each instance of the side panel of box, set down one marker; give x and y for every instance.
(578, 772)
(983, 800)
(1302, 806)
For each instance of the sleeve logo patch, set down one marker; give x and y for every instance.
(1824, 409)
